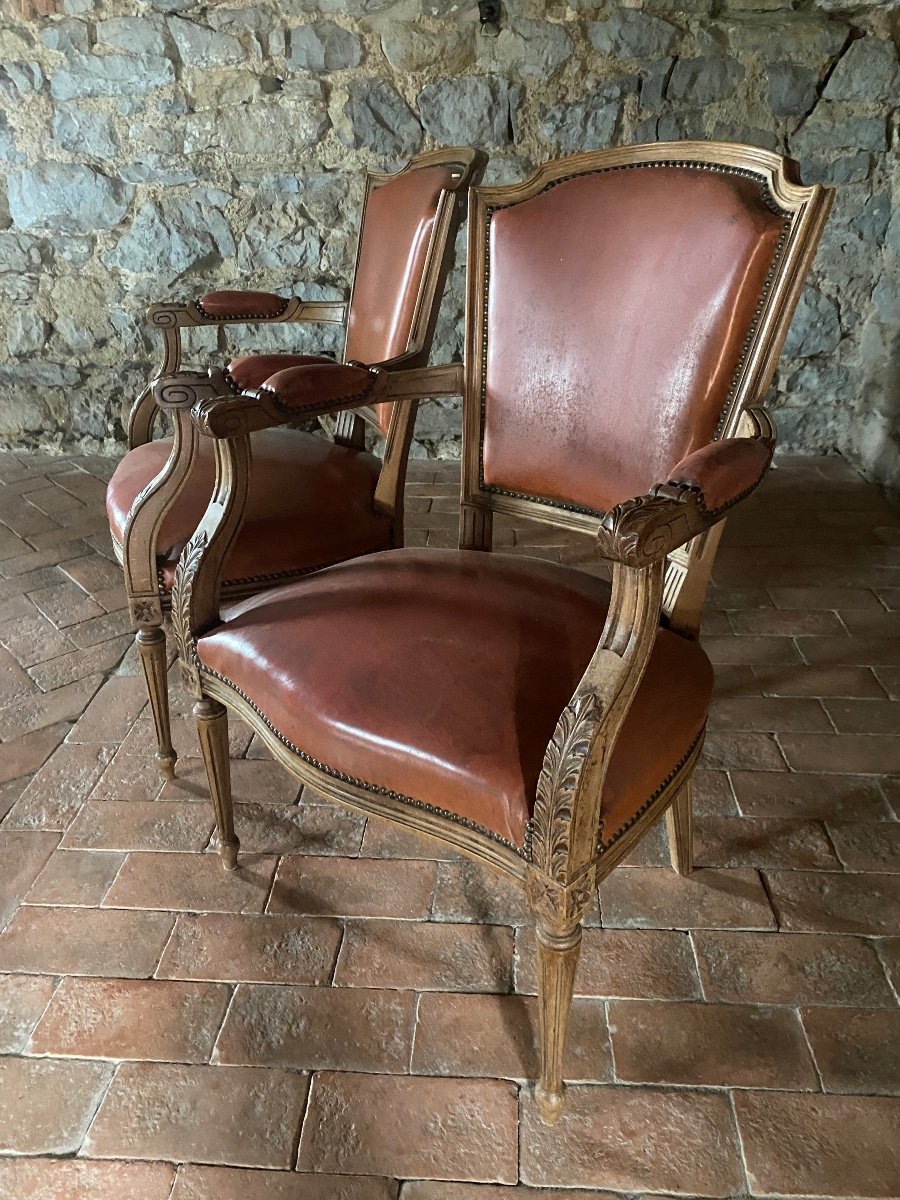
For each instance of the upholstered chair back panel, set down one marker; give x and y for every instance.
(618, 308)
(397, 227)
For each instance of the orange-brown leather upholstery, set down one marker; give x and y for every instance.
(242, 305)
(318, 386)
(618, 307)
(397, 227)
(725, 471)
(310, 504)
(440, 675)
(250, 371)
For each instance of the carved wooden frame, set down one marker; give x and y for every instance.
(148, 601)
(660, 546)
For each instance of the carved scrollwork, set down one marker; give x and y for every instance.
(183, 390)
(182, 589)
(557, 789)
(643, 530)
(166, 316)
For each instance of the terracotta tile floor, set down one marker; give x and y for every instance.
(352, 1015)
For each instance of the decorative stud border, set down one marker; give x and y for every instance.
(363, 784)
(242, 316)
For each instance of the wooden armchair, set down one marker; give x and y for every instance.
(625, 312)
(311, 503)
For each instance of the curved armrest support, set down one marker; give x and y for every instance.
(700, 490)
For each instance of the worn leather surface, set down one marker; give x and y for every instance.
(310, 503)
(317, 386)
(617, 310)
(397, 226)
(441, 675)
(725, 470)
(242, 304)
(251, 370)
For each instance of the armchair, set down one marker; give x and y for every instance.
(311, 503)
(625, 312)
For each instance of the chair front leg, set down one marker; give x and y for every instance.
(212, 730)
(680, 827)
(558, 948)
(151, 644)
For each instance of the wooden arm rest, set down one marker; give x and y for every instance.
(229, 308)
(701, 489)
(316, 389)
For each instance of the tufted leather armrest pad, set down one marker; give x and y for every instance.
(320, 386)
(724, 472)
(247, 305)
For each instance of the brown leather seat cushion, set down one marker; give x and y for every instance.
(310, 504)
(440, 675)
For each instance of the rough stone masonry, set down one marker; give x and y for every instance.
(154, 149)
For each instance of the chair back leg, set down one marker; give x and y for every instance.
(212, 730)
(557, 957)
(151, 644)
(680, 827)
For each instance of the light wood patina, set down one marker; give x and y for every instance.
(660, 547)
(173, 391)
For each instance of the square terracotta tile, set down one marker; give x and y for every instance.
(314, 829)
(653, 964)
(651, 898)
(253, 948)
(46, 1104)
(24, 855)
(146, 1019)
(856, 1050)
(141, 825)
(788, 968)
(76, 877)
(79, 1179)
(488, 1037)
(55, 795)
(237, 1183)
(436, 1128)
(239, 1116)
(710, 1045)
(426, 957)
(348, 887)
(628, 1139)
(468, 891)
(855, 1151)
(84, 941)
(192, 883)
(23, 999)
(809, 901)
(319, 1028)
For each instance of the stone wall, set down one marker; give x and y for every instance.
(154, 149)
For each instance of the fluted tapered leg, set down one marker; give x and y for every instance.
(212, 730)
(151, 644)
(557, 958)
(680, 825)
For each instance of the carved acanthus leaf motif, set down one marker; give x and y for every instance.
(564, 762)
(644, 529)
(182, 588)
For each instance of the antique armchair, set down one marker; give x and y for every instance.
(625, 312)
(312, 502)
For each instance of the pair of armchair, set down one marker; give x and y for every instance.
(625, 312)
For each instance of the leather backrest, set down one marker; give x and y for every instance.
(618, 307)
(398, 221)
